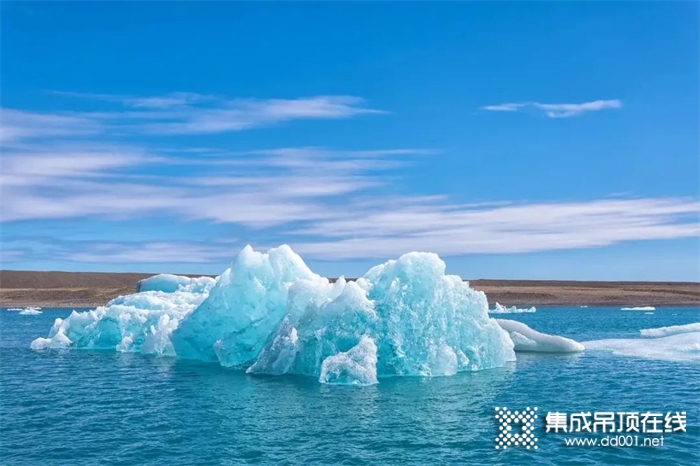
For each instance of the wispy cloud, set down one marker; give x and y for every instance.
(152, 252)
(557, 110)
(328, 203)
(239, 115)
(18, 125)
(257, 189)
(505, 107)
(31, 248)
(176, 113)
(514, 228)
(173, 99)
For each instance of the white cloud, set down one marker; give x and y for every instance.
(504, 107)
(39, 248)
(257, 189)
(327, 203)
(557, 110)
(173, 99)
(177, 113)
(152, 252)
(506, 229)
(237, 115)
(19, 125)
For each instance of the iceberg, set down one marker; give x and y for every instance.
(529, 340)
(269, 313)
(500, 309)
(25, 311)
(639, 308)
(58, 340)
(672, 330)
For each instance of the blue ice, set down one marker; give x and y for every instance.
(269, 313)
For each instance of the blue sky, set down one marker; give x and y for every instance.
(516, 140)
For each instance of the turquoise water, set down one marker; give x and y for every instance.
(82, 407)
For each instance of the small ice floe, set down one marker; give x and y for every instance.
(526, 339)
(648, 313)
(675, 343)
(14, 309)
(30, 311)
(583, 306)
(500, 309)
(639, 308)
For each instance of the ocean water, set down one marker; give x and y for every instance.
(87, 407)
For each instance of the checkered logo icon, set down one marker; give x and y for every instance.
(516, 428)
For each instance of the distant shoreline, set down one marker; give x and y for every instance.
(91, 289)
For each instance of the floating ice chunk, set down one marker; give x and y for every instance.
(271, 314)
(500, 309)
(639, 308)
(57, 341)
(527, 339)
(676, 347)
(672, 330)
(358, 366)
(168, 283)
(15, 309)
(30, 311)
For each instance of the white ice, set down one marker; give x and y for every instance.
(672, 330)
(639, 308)
(30, 311)
(500, 309)
(527, 339)
(358, 366)
(140, 322)
(675, 347)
